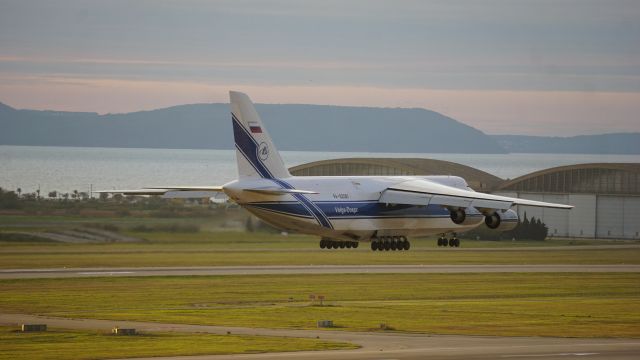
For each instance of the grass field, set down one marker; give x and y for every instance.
(73, 256)
(240, 248)
(74, 345)
(565, 305)
(216, 233)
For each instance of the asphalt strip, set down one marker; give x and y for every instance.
(312, 269)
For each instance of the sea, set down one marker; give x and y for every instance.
(86, 169)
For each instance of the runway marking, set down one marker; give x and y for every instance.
(549, 355)
(106, 272)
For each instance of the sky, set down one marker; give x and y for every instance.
(539, 67)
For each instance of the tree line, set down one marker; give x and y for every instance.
(120, 205)
(527, 229)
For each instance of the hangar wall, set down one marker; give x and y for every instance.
(577, 222)
(606, 197)
(601, 216)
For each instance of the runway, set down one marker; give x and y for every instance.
(309, 269)
(377, 345)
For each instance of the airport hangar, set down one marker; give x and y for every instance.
(606, 196)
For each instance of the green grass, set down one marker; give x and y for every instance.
(215, 221)
(142, 257)
(239, 248)
(75, 345)
(518, 304)
(241, 240)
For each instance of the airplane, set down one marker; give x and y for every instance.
(346, 210)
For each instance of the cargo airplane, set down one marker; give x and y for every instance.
(345, 210)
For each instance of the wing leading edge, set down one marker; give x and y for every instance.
(425, 192)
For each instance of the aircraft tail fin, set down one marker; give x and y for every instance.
(256, 154)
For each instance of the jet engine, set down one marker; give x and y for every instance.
(501, 220)
(457, 215)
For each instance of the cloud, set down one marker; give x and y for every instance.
(544, 60)
(434, 73)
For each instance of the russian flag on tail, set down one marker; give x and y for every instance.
(255, 128)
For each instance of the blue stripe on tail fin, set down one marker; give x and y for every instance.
(256, 154)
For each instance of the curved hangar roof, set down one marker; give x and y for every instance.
(597, 178)
(477, 179)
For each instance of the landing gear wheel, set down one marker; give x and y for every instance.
(342, 244)
(355, 244)
(322, 244)
(334, 244)
(348, 245)
(387, 244)
(406, 244)
(456, 242)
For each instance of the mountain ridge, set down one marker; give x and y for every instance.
(293, 127)
(302, 127)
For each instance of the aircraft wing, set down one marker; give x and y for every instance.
(184, 192)
(425, 192)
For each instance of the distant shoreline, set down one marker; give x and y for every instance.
(312, 151)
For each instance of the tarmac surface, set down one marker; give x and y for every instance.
(376, 345)
(309, 269)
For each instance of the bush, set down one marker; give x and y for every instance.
(123, 212)
(532, 230)
(526, 229)
(9, 200)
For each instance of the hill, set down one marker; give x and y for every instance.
(293, 127)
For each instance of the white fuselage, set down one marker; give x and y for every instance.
(348, 207)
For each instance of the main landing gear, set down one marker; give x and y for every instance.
(334, 244)
(387, 243)
(453, 242)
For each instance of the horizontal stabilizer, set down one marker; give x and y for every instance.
(134, 192)
(171, 192)
(191, 194)
(279, 191)
(189, 188)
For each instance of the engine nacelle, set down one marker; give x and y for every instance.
(457, 215)
(502, 220)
